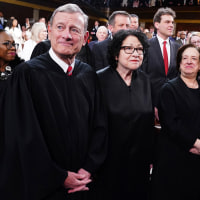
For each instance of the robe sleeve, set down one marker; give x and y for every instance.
(99, 133)
(27, 171)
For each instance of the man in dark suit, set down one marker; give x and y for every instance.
(3, 21)
(154, 63)
(117, 21)
(182, 39)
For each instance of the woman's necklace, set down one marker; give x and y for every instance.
(5, 74)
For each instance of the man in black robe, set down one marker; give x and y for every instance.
(54, 130)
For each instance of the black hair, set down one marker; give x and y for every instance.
(116, 43)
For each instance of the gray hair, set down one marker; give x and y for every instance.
(71, 8)
(36, 29)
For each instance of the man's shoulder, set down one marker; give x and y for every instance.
(102, 44)
(37, 61)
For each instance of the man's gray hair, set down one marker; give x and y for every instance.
(71, 8)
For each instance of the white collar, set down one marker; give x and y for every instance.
(161, 40)
(60, 62)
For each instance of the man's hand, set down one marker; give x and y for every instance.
(76, 182)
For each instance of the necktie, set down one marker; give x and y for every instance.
(165, 56)
(69, 71)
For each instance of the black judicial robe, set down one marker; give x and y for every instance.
(125, 174)
(176, 172)
(52, 123)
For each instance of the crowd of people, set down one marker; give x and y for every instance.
(78, 117)
(140, 3)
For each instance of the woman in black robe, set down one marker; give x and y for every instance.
(8, 57)
(127, 94)
(176, 171)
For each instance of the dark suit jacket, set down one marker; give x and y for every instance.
(99, 54)
(154, 66)
(179, 41)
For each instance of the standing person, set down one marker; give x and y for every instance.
(102, 34)
(3, 21)
(16, 33)
(38, 34)
(118, 20)
(8, 57)
(94, 30)
(182, 39)
(159, 69)
(127, 93)
(176, 170)
(54, 135)
(134, 22)
(194, 39)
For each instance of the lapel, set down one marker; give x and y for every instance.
(159, 52)
(172, 55)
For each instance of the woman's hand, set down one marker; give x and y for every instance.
(196, 148)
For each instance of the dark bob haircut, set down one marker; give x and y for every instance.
(180, 53)
(116, 43)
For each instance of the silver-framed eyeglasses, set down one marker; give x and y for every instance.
(10, 44)
(131, 50)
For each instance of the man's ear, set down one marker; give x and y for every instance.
(49, 31)
(85, 37)
(156, 24)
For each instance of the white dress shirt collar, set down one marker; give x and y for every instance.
(60, 62)
(161, 40)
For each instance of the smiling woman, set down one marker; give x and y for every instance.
(8, 56)
(127, 94)
(176, 170)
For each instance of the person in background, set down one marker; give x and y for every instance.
(94, 30)
(118, 20)
(42, 20)
(3, 21)
(55, 132)
(176, 169)
(182, 39)
(15, 30)
(102, 34)
(134, 22)
(194, 39)
(8, 57)
(127, 94)
(38, 34)
(159, 69)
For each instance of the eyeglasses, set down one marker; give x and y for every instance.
(9, 44)
(195, 42)
(131, 50)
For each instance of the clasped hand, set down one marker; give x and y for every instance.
(77, 181)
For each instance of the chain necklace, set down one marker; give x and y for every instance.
(4, 75)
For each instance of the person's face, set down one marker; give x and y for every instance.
(121, 22)
(43, 34)
(165, 27)
(102, 34)
(6, 55)
(130, 61)
(182, 35)
(15, 23)
(96, 23)
(190, 64)
(134, 23)
(195, 40)
(67, 34)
